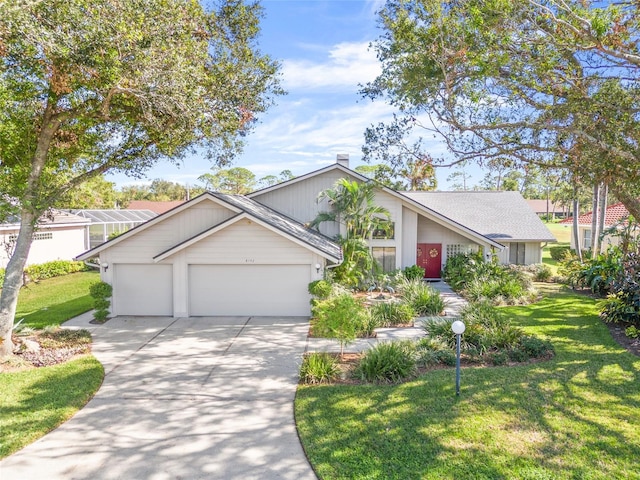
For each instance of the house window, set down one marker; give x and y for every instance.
(43, 236)
(454, 249)
(386, 257)
(586, 241)
(384, 233)
(516, 253)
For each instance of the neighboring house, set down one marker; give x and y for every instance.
(614, 215)
(59, 236)
(224, 254)
(156, 207)
(542, 207)
(106, 223)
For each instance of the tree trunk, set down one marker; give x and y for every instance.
(595, 210)
(28, 218)
(13, 282)
(576, 233)
(604, 191)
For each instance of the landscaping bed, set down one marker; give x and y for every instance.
(46, 347)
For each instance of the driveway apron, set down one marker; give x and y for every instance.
(186, 398)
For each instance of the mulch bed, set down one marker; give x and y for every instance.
(35, 350)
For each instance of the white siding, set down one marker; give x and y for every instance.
(532, 253)
(246, 242)
(65, 244)
(409, 236)
(299, 199)
(146, 244)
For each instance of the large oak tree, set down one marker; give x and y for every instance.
(90, 86)
(553, 83)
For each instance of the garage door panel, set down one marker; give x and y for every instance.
(143, 289)
(276, 290)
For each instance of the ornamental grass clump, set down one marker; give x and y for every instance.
(424, 300)
(319, 367)
(387, 363)
(392, 314)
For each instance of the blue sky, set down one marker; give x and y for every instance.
(323, 48)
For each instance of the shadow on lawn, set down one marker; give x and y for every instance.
(575, 416)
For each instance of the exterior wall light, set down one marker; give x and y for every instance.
(317, 268)
(104, 266)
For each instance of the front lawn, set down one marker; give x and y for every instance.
(34, 401)
(55, 300)
(576, 416)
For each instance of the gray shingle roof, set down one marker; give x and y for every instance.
(496, 215)
(282, 223)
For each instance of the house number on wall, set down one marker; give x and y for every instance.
(249, 260)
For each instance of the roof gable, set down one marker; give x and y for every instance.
(244, 208)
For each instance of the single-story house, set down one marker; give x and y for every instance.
(614, 215)
(58, 236)
(221, 254)
(542, 207)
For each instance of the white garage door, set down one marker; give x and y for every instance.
(261, 290)
(143, 289)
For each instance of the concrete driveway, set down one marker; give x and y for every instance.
(187, 398)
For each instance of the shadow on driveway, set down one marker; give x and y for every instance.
(182, 398)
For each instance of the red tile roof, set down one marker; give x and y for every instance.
(157, 207)
(615, 214)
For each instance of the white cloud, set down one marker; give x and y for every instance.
(346, 65)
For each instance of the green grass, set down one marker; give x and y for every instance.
(563, 235)
(574, 417)
(36, 401)
(55, 300)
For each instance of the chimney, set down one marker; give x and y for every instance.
(343, 159)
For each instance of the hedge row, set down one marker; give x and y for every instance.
(56, 268)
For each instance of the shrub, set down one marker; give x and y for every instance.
(340, 317)
(432, 351)
(320, 289)
(42, 271)
(424, 300)
(413, 273)
(389, 314)
(632, 332)
(56, 268)
(386, 362)
(535, 347)
(559, 253)
(624, 304)
(542, 273)
(319, 367)
(499, 358)
(518, 354)
(478, 280)
(101, 292)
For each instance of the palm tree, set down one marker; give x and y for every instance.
(352, 204)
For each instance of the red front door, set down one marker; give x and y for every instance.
(429, 257)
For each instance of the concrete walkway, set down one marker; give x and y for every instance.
(196, 398)
(453, 304)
